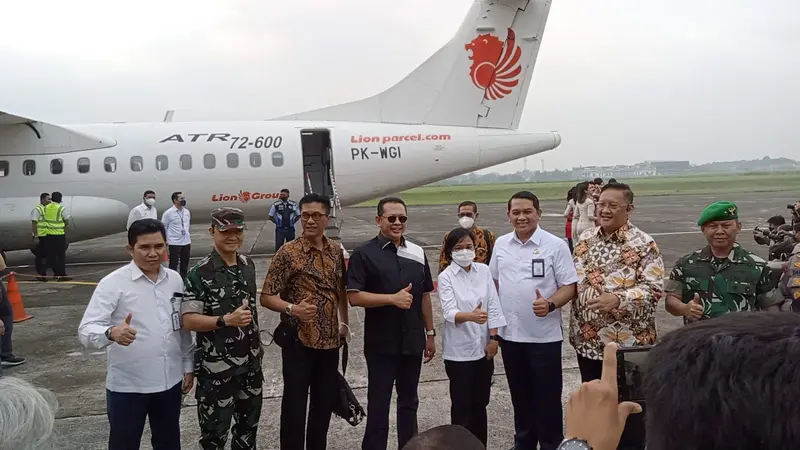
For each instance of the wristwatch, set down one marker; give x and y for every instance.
(551, 306)
(221, 322)
(108, 333)
(494, 337)
(288, 309)
(574, 444)
(430, 332)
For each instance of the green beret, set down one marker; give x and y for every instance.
(718, 211)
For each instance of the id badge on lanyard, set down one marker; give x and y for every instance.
(175, 301)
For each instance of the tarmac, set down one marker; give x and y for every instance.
(57, 361)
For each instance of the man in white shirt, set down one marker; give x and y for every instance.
(135, 314)
(535, 276)
(145, 210)
(177, 220)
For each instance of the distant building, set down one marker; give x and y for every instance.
(644, 169)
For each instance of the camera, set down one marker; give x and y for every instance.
(790, 206)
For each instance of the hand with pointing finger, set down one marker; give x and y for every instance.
(478, 316)
(241, 317)
(124, 334)
(403, 298)
(541, 307)
(594, 412)
(305, 310)
(694, 309)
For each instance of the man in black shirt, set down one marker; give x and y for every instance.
(390, 277)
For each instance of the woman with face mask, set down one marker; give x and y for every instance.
(472, 314)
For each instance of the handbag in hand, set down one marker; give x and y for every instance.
(347, 406)
(285, 334)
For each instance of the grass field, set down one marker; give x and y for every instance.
(685, 185)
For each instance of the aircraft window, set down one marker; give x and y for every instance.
(137, 163)
(110, 164)
(186, 162)
(4, 167)
(162, 162)
(56, 166)
(29, 167)
(233, 160)
(209, 161)
(277, 159)
(255, 159)
(83, 165)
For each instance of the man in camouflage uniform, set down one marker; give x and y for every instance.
(467, 215)
(790, 283)
(722, 277)
(220, 305)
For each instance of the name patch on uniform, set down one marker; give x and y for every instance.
(537, 268)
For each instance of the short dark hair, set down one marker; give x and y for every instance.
(612, 180)
(527, 196)
(469, 203)
(454, 237)
(316, 198)
(148, 192)
(445, 437)
(284, 190)
(776, 220)
(175, 196)
(735, 367)
(598, 180)
(386, 200)
(145, 226)
(43, 196)
(56, 197)
(626, 190)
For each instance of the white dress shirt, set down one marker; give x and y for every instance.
(177, 224)
(512, 266)
(462, 291)
(159, 357)
(141, 211)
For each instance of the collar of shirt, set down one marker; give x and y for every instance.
(621, 235)
(707, 255)
(137, 273)
(384, 242)
(309, 246)
(536, 237)
(219, 264)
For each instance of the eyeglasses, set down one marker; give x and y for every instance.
(315, 215)
(611, 206)
(393, 219)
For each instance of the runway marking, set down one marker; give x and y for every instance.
(84, 354)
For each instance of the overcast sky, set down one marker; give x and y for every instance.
(622, 80)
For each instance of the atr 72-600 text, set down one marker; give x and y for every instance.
(241, 142)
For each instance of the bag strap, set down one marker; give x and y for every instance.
(344, 358)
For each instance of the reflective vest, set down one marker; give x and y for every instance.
(41, 225)
(54, 215)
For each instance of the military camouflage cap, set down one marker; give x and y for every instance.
(718, 211)
(228, 218)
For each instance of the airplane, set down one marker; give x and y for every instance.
(458, 112)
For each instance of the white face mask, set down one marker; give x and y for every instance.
(463, 257)
(149, 201)
(466, 222)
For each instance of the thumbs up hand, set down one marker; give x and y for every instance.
(240, 317)
(305, 310)
(478, 316)
(124, 334)
(694, 309)
(540, 305)
(403, 298)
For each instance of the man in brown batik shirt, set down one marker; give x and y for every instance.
(306, 284)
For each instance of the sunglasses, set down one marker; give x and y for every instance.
(393, 219)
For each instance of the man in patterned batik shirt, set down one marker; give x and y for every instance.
(620, 276)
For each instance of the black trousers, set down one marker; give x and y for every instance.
(307, 369)
(470, 387)
(535, 383)
(633, 434)
(57, 254)
(180, 253)
(41, 260)
(7, 316)
(384, 371)
(127, 413)
(283, 235)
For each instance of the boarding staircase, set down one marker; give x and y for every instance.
(337, 218)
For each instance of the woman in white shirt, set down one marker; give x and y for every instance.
(472, 314)
(585, 211)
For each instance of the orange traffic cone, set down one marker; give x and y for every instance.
(15, 297)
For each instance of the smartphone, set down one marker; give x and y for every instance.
(632, 365)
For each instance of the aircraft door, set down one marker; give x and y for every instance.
(317, 161)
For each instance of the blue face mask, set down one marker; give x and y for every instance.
(183, 202)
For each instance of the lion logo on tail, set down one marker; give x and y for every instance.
(495, 66)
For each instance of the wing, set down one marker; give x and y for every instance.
(23, 136)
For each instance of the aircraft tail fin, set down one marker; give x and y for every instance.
(478, 79)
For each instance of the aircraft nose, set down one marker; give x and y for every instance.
(556, 139)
